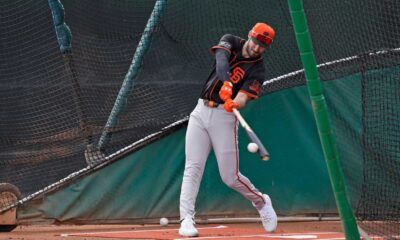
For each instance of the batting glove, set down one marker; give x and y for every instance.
(226, 91)
(229, 105)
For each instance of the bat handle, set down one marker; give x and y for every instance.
(240, 118)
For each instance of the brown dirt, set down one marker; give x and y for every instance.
(53, 232)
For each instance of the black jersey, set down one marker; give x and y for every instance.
(246, 74)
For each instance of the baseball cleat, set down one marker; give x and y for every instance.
(187, 228)
(268, 215)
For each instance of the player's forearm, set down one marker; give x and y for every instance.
(241, 99)
(222, 64)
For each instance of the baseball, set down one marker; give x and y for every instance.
(164, 221)
(252, 147)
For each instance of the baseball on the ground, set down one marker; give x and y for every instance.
(252, 147)
(163, 221)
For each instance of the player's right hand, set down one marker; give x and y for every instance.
(229, 105)
(226, 91)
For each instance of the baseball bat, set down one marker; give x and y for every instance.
(262, 151)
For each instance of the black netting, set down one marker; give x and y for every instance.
(360, 51)
(40, 138)
(379, 205)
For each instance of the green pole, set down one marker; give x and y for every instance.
(133, 71)
(304, 44)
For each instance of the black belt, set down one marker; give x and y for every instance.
(210, 103)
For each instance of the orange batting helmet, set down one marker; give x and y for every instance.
(262, 34)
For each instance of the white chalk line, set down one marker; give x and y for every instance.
(133, 231)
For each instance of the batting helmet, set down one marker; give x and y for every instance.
(262, 34)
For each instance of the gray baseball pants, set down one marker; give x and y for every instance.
(213, 128)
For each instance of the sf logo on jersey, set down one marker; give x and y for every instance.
(237, 74)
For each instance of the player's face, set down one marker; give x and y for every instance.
(255, 50)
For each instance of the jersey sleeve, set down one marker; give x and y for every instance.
(227, 42)
(253, 83)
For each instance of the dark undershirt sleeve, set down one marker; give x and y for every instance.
(222, 64)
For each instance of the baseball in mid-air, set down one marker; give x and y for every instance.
(164, 221)
(252, 147)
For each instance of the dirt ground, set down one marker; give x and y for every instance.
(67, 232)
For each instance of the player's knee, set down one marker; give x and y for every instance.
(230, 181)
(193, 170)
(193, 164)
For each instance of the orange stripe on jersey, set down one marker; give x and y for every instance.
(213, 49)
(212, 90)
(233, 59)
(252, 96)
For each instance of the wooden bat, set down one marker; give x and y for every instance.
(264, 155)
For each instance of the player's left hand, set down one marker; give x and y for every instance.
(226, 91)
(229, 105)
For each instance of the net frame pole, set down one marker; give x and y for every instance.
(127, 85)
(321, 116)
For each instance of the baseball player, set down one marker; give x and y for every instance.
(236, 78)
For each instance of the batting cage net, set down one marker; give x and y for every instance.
(85, 82)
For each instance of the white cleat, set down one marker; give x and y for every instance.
(268, 215)
(187, 228)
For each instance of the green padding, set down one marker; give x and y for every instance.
(146, 184)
